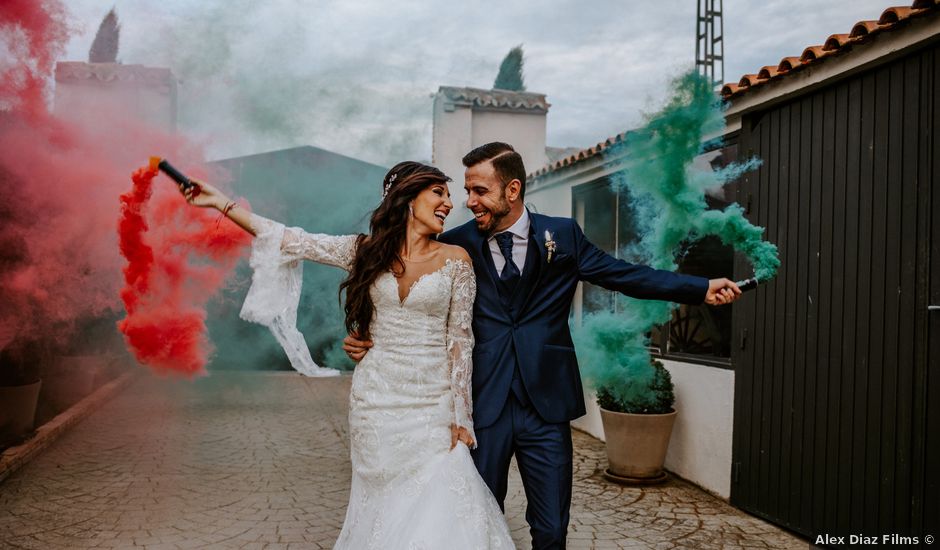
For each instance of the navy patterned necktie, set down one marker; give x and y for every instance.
(510, 274)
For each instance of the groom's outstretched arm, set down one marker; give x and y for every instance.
(639, 281)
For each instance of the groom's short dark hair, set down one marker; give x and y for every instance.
(506, 162)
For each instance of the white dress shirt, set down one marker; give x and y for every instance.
(520, 244)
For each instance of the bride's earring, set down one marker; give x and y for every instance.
(411, 209)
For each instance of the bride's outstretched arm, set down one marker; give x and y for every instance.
(292, 243)
(460, 350)
(277, 276)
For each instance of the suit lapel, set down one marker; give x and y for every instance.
(536, 239)
(530, 274)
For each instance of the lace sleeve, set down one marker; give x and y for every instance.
(460, 343)
(276, 281)
(335, 250)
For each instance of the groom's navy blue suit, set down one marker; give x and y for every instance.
(526, 384)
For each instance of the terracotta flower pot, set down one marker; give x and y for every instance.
(18, 411)
(636, 445)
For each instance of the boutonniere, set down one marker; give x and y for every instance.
(549, 245)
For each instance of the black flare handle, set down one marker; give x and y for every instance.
(748, 284)
(164, 166)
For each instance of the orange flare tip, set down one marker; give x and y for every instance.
(155, 163)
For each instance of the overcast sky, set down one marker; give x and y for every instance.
(356, 76)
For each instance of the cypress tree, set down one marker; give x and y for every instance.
(510, 72)
(104, 48)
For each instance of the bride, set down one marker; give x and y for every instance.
(414, 485)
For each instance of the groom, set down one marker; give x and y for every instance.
(526, 384)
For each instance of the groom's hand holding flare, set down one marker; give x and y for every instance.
(722, 292)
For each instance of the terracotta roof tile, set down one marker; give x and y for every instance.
(732, 88)
(893, 15)
(788, 64)
(496, 98)
(812, 53)
(112, 72)
(768, 71)
(862, 28)
(837, 43)
(749, 80)
(580, 155)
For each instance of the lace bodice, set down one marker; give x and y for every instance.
(433, 321)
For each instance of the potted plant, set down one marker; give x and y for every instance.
(638, 417)
(20, 362)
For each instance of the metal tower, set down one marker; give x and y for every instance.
(709, 40)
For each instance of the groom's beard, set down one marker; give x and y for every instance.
(496, 217)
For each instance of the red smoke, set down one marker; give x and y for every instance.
(34, 32)
(60, 180)
(165, 292)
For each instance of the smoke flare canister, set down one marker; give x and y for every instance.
(157, 163)
(748, 284)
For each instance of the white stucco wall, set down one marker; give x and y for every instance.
(116, 91)
(553, 201)
(700, 448)
(525, 131)
(458, 128)
(452, 138)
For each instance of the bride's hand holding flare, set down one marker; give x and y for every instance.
(205, 195)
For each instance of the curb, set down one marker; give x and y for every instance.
(16, 457)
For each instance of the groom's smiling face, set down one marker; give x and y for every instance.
(486, 197)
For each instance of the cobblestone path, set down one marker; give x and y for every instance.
(250, 460)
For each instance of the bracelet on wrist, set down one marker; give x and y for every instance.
(229, 206)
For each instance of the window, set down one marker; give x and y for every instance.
(700, 334)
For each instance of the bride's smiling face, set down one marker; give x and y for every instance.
(431, 208)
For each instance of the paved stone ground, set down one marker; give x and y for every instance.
(261, 461)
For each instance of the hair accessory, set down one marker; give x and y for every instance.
(388, 185)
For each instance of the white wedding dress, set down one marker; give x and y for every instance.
(409, 489)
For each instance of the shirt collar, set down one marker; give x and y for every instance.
(520, 228)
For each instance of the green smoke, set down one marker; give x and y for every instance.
(669, 210)
(252, 79)
(321, 192)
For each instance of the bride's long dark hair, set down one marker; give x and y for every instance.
(380, 251)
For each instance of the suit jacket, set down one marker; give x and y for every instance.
(529, 329)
